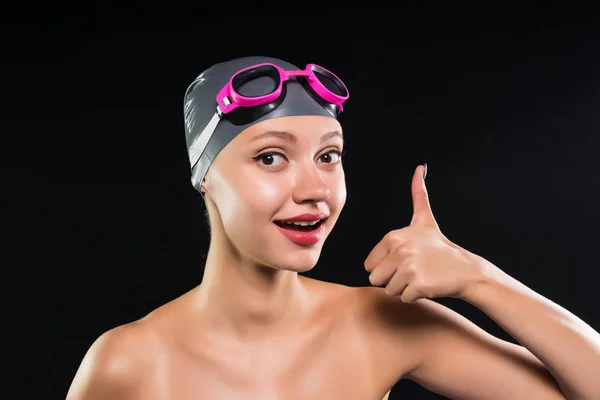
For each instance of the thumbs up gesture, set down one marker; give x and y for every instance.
(418, 261)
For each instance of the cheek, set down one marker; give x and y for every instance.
(255, 199)
(267, 192)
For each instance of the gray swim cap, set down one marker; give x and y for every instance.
(200, 105)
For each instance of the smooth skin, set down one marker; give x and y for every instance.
(256, 329)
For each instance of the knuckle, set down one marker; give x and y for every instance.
(397, 251)
(404, 251)
(420, 193)
(412, 270)
(409, 251)
(421, 286)
(394, 237)
(412, 251)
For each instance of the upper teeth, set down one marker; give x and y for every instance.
(302, 223)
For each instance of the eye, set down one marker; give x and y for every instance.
(269, 159)
(332, 157)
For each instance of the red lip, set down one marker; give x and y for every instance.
(303, 238)
(306, 217)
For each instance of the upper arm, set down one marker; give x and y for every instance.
(448, 354)
(458, 359)
(113, 366)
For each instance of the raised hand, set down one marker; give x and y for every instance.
(418, 261)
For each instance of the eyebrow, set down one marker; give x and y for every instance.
(293, 139)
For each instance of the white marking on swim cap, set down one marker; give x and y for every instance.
(197, 148)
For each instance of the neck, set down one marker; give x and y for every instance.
(238, 294)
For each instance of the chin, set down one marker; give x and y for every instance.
(301, 261)
(297, 268)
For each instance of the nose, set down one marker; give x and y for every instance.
(310, 186)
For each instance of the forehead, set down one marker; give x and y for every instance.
(299, 126)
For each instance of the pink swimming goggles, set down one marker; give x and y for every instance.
(323, 82)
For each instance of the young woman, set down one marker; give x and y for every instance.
(265, 149)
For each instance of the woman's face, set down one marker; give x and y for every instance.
(273, 171)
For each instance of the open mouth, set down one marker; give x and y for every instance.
(302, 226)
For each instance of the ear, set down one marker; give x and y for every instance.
(203, 189)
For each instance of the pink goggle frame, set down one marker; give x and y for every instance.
(229, 99)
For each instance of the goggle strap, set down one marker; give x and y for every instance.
(226, 101)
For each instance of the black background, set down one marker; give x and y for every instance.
(102, 224)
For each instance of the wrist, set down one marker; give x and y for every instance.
(486, 276)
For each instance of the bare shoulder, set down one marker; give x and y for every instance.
(383, 313)
(384, 317)
(415, 323)
(115, 364)
(390, 314)
(369, 306)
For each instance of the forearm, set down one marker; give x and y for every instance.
(567, 346)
